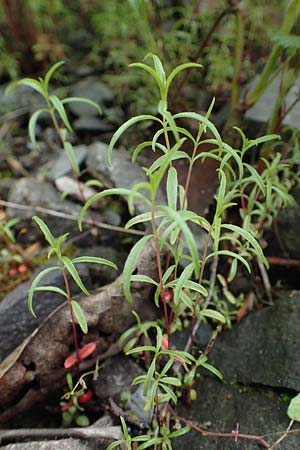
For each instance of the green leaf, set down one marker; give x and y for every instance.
(196, 287)
(50, 72)
(59, 107)
(153, 73)
(55, 289)
(113, 191)
(143, 279)
(172, 187)
(45, 230)
(248, 237)
(80, 317)
(130, 264)
(94, 259)
(74, 274)
(170, 380)
(212, 314)
(82, 100)
(294, 408)
(34, 284)
(232, 255)
(178, 69)
(32, 124)
(185, 275)
(33, 84)
(59, 241)
(177, 217)
(213, 370)
(144, 217)
(201, 119)
(115, 444)
(149, 377)
(124, 127)
(68, 148)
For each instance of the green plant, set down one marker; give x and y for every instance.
(180, 291)
(68, 267)
(71, 404)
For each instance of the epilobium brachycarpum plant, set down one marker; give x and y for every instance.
(68, 267)
(180, 289)
(55, 107)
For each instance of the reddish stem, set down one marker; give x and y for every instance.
(234, 434)
(69, 300)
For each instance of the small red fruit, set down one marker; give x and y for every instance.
(12, 272)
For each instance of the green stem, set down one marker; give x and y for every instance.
(238, 58)
(290, 19)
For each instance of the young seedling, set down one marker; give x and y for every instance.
(67, 266)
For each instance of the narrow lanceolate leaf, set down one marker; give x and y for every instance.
(45, 230)
(143, 279)
(178, 69)
(149, 377)
(249, 238)
(124, 127)
(144, 217)
(107, 192)
(80, 317)
(55, 289)
(212, 314)
(231, 255)
(154, 75)
(68, 148)
(32, 83)
(185, 275)
(82, 100)
(175, 215)
(50, 72)
(172, 188)
(32, 125)
(74, 274)
(94, 259)
(213, 370)
(59, 107)
(201, 119)
(130, 264)
(34, 285)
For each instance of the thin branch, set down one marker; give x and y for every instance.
(111, 432)
(52, 212)
(283, 436)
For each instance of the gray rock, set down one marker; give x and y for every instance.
(16, 322)
(20, 97)
(62, 165)
(100, 273)
(30, 192)
(257, 411)
(115, 377)
(263, 348)
(288, 226)
(261, 111)
(61, 444)
(91, 123)
(93, 89)
(122, 173)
